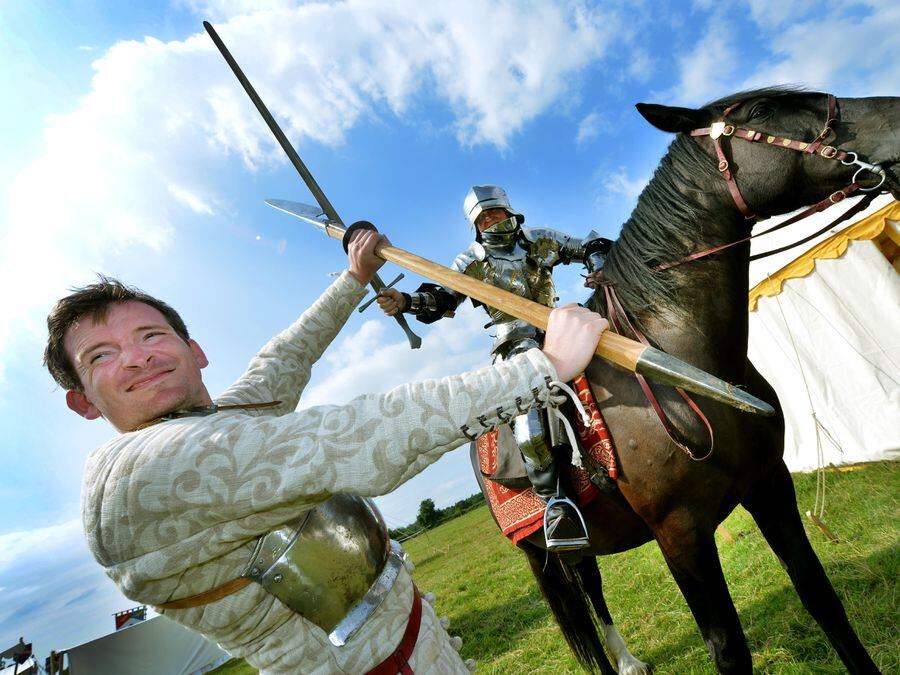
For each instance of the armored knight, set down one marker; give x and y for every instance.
(519, 260)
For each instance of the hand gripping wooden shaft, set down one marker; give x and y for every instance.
(615, 348)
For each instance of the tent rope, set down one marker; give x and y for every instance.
(819, 504)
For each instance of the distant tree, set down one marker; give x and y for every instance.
(428, 514)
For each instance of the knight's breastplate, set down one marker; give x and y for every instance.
(519, 275)
(333, 566)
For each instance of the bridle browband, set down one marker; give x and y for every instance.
(722, 129)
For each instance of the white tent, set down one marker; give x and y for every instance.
(825, 332)
(157, 645)
(30, 667)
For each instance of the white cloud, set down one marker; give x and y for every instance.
(115, 176)
(708, 69)
(845, 51)
(620, 183)
(640, 64)
(362, 362)
(774, 13)
(190, 200)
(226, 9)
(52, 588)
(589, 128)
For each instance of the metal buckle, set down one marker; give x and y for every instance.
(828, 151)
(836, 197)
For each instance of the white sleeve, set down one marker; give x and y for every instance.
(280, 371)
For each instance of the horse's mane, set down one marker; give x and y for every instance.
(669, 219)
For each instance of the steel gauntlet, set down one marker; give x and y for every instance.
(420, 303)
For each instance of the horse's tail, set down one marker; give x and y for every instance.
(564, 588)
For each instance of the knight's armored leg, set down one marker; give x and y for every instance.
(564, 527)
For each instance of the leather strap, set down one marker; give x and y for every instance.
(207, 597)
(214, 409)
(398, 661)
(613, 304)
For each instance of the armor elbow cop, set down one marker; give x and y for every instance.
(596, 249)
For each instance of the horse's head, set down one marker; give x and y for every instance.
(802, 146)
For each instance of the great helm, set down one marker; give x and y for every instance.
(483, 197)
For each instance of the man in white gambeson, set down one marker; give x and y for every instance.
(221, 514)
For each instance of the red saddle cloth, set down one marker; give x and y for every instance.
(521, 512)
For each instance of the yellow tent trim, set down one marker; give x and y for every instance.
(833, 247)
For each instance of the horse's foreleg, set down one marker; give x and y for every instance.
(773, 504)
(626, 663)
(694, 562)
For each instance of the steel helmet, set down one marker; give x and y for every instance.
(483, 197)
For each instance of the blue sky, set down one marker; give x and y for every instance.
(129, 149)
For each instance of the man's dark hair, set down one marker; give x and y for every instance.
(92, 302)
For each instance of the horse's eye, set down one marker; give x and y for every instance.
(759, 111)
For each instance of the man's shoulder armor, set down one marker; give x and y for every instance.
(533, 234)
(475, 253)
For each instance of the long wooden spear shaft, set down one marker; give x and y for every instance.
(622, 351)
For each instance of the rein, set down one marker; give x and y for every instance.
(612, 305)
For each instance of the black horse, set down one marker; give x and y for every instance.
(698, 312)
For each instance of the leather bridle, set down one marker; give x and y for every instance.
(718, 131)
(722, 129)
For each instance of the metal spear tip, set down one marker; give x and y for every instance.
(310, 214)
(663, 367)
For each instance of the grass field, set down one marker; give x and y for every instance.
(483, 584)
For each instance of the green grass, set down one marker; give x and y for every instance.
(483, 584)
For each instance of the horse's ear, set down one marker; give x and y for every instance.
(672, 119)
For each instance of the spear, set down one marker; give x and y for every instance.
(622, 351)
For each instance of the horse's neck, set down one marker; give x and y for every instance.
(705, 320)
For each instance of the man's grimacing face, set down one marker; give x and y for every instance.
(490, 217)
(133, 367)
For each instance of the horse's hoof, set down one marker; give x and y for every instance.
(631, 666)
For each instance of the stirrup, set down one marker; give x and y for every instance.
(572, 543)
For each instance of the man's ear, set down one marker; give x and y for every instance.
(81, 404)
(197, 351)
